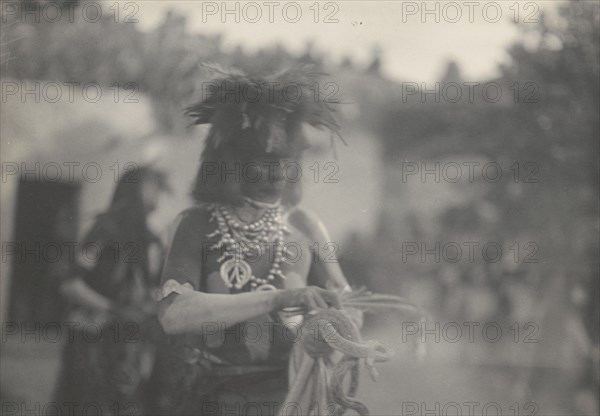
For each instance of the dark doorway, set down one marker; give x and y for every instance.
(46, 223)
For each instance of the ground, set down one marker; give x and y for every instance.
(451, 381)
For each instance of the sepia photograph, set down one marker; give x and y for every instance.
(300, 208)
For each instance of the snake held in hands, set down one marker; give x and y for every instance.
(325, 331)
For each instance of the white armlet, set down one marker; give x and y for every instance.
(172, 286)
(346, 289)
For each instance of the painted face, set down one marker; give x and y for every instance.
(268, 159)
(266, 175)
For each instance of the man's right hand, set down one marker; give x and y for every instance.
(311, 297)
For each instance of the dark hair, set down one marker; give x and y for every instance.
(127, 204)
(124, 223)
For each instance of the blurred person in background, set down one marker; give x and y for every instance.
(226, 268)
(111, 356)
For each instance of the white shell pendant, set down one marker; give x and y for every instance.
(235, 273)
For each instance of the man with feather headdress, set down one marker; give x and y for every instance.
(229, 297)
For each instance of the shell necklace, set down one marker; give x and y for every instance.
(240, 241)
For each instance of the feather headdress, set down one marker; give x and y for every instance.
(266, 110)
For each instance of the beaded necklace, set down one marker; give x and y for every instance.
(240, 240)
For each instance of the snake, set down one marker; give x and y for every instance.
(325, 331)
(329, 330)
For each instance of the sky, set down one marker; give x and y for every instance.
(416, 38)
